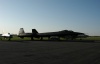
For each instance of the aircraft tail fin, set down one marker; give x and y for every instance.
(34, 31)
(21, 31)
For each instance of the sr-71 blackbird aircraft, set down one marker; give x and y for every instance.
(64, 33)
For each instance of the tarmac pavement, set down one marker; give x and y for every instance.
(49, 52)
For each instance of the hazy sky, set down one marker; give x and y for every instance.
(50, 15)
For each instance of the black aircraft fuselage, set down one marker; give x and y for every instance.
(64, 33)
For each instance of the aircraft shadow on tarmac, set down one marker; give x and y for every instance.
(84, 41)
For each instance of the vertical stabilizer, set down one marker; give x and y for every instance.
(21, 31)
(34, 31)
